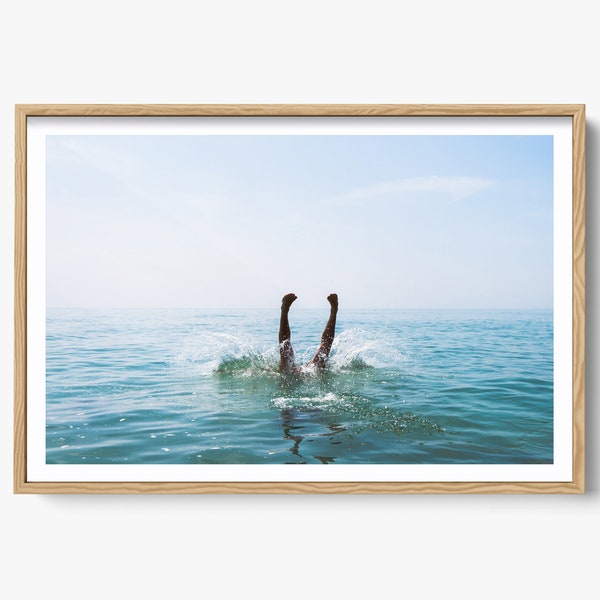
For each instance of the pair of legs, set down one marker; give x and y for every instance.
(286, 352)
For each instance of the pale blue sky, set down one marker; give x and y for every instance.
(237, 221)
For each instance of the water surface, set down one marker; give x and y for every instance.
(402, 387)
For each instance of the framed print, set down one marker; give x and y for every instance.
(299, 299)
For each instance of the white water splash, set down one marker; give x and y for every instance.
(238, 354)
(212, 352)
(354, 349)
(327, 400)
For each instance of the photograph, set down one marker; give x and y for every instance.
(221, 300)
(299, 299)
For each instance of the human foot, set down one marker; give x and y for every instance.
(333, 301)
(287, 300)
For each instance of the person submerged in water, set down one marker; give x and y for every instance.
(286, 360)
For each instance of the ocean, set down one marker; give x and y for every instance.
(185, 386)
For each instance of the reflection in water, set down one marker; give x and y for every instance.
(296, 427)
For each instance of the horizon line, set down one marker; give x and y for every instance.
(96, 307)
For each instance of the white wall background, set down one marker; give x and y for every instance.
(276, 52)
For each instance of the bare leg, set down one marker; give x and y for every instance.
(286, 353)
(320, 358)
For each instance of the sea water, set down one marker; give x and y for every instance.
(202, 386)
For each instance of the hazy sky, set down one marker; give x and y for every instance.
(237, 221)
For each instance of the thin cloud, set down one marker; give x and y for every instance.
(455, 187)
(70, 151)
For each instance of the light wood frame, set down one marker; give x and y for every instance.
(577, 114)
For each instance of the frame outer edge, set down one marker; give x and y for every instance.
(20, 300)
(22, 111)
(579, 203)
(289, 110)
(299, 487)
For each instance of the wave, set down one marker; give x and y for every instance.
(246, 364)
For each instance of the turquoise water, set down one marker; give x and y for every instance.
(192, 386)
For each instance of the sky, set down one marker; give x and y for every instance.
(230, 221)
